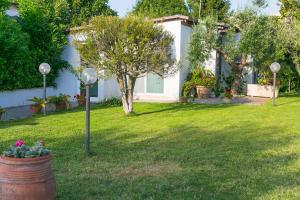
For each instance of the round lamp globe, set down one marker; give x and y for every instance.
(44, 68)
(275, 67)
(89, 76)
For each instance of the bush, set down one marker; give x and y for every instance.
(203, 77)
(60, 99)
(114, 101)
(188, 89)
(27, 41)
(15, 68)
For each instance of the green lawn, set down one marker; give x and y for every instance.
(172, 151)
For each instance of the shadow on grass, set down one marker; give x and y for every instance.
(177, 107)
(292, 98)
(182, 162)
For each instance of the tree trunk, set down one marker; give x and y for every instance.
(126, 84)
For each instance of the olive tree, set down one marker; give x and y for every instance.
(247, 35)
(126, 48)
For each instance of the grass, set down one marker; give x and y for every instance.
(172, 151)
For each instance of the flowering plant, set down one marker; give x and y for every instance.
(80, 98)
(21, 150)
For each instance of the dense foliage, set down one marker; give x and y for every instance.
(26, 42)
(37, 36)
(159, 8)
(3, 4)
(127, 48)
(250, 39)
(216, 8)
(290, 8)
(75, 12)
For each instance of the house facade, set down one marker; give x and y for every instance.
(149, 87)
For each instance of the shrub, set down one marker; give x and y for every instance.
(21, 150)
(203, 77)
(27, 41)
(114, 101)
(188, 89)
(38, 101)
(60, 99)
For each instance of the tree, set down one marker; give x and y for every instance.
(3, 4)
(75, 12)
(159, 8)
(290, 8)
(216, 8)
(126, 48)
(14, 54)
(248, 35)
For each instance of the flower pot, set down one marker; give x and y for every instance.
(35, 108)
(203, 92)
(26, 178)
(61, 106)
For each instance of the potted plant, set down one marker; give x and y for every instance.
(26, 173)
(2, 111)
(228, 81)
(61, 102)
(39, 103)
(80, 99)
(204, 81)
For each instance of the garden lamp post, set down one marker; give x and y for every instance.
(275, 67)
(45, 69)
(89, 77)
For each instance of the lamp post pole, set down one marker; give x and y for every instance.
(87, 118)
(274, 88)
(44, 69)
(89, 77)
(45, 93)
(275, 67)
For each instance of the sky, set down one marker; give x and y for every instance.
(123, 6)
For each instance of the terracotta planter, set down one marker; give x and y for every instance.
(61, 106)
(35, 108)
(26, 178)
(203, 92)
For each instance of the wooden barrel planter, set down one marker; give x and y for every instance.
(26, 178)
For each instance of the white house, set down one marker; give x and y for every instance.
(149, 87)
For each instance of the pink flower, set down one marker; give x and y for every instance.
(19, 143)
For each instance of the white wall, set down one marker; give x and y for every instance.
(67, 82)
(172, 83)
(20, 97)
(186, 33)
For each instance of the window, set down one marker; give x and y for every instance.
(155, 84)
